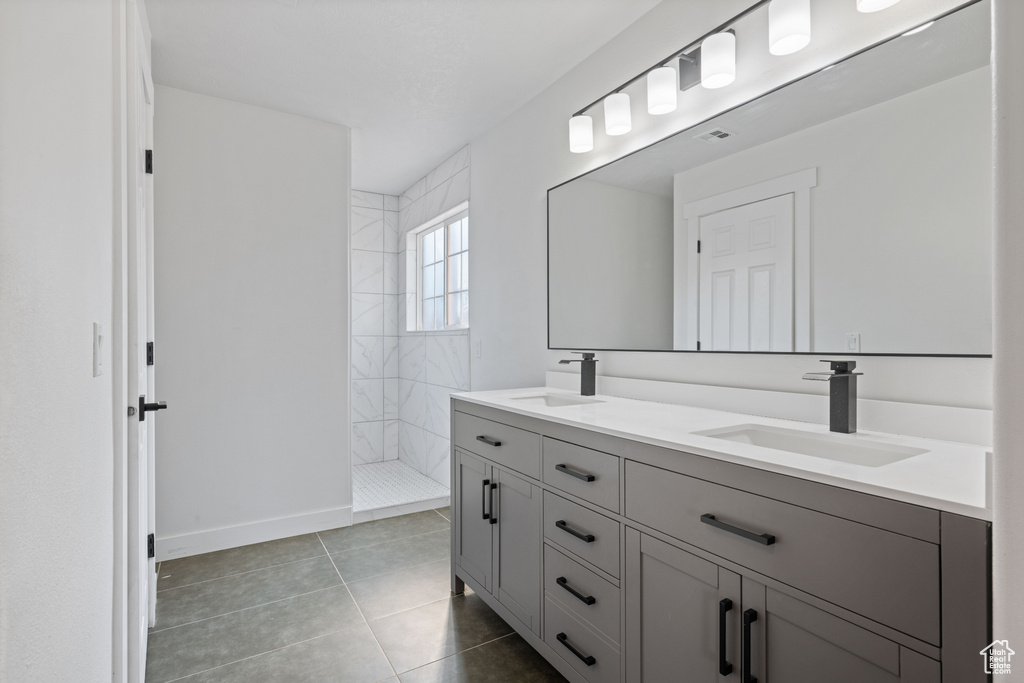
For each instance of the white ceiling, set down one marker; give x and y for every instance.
(414, 79)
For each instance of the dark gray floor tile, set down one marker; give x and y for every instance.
(181, 572)
(350, 656)
(389, 594)
(382, 531)
(508, 660)
(392, 556)
(177, 652)
(445, 512)
(186, 604)
(425, 634)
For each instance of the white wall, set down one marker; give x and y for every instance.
(617, 243)
(57, 124)
(515, 163)
(902, 205)
(251, 220)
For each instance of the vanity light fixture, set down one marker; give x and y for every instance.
(718, 60)
(662, 91)
(789, 26)
(617, 119)
(922, 27)
(581, 133)
(874, 5)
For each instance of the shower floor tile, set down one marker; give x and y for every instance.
(380, 488)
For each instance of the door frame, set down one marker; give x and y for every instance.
(686, 301)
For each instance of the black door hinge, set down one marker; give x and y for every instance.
(149, 353)
(698, 346)
(149, 161)
(152, 546)
(698, 246)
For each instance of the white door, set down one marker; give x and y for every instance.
(141, 574)
(746, 277)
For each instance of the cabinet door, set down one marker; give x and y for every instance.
(676, 607)
(802, 644)
(473, 504)
(517, 547)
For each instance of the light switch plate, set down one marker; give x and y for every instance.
(853, 342)
(477, 348)
(97, 349)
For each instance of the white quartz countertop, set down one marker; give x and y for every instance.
(948, 476)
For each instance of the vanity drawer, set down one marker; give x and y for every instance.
(512, 447)
(582, 592)
(591, 475)
(590, 535)
(603, 665)
(887, 577)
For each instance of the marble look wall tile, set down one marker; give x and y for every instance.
(412, 402)
(367, 228)
(403, 270)
(413, 215)
(447, 361)
(458, 191)
(437, 459)
(367, 400)
(367, 442)
(390, 356)
(438, 412)
(412, 357)
(368, 357)
(391, 321)
(391, 399)
(392, 241)
(390, 273)
(368, 314)
(390, 202)
(448, 168)
(391, 439)
(412, 446)
(436, 201)
(417, 189)
(404, 200)
(367, 272)
(367, 200)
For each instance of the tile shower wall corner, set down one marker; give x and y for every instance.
(374, 298)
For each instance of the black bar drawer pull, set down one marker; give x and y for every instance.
(749, 617)
(589, 538)
(494, 517)
(574, 473)
(724, 667)
(483, 499)
(585, 599)
(763, 539)
(488, 440)
(586, 659)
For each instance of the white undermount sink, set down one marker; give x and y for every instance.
(555, 400)
(847, 448)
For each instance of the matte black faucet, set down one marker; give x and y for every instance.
(842, 394)
(588, 372)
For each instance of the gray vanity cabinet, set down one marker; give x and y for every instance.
(497, 534)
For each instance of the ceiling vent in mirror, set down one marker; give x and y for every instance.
(714, 135)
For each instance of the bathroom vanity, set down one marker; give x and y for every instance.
(637, 541)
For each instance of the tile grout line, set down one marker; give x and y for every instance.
(358, 609)
(460, 652)
(228, 576)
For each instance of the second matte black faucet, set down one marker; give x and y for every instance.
(588, 372)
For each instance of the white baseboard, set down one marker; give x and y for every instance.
(185, 545)
(360, 516)
(962, 425)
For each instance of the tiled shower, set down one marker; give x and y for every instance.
(400, 379)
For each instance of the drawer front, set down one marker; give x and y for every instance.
(884, 576)
(604, 667)
(516, 449)
(582, 592)
(564, 524)
(591, 475)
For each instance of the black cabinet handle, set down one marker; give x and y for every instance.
(483, 499)
(488, 440)
(724, 667)
(589, 538)
(586, 659)
(763, 539)
(574, 473)
(749, 617)
(494, 517)
(585, 599)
